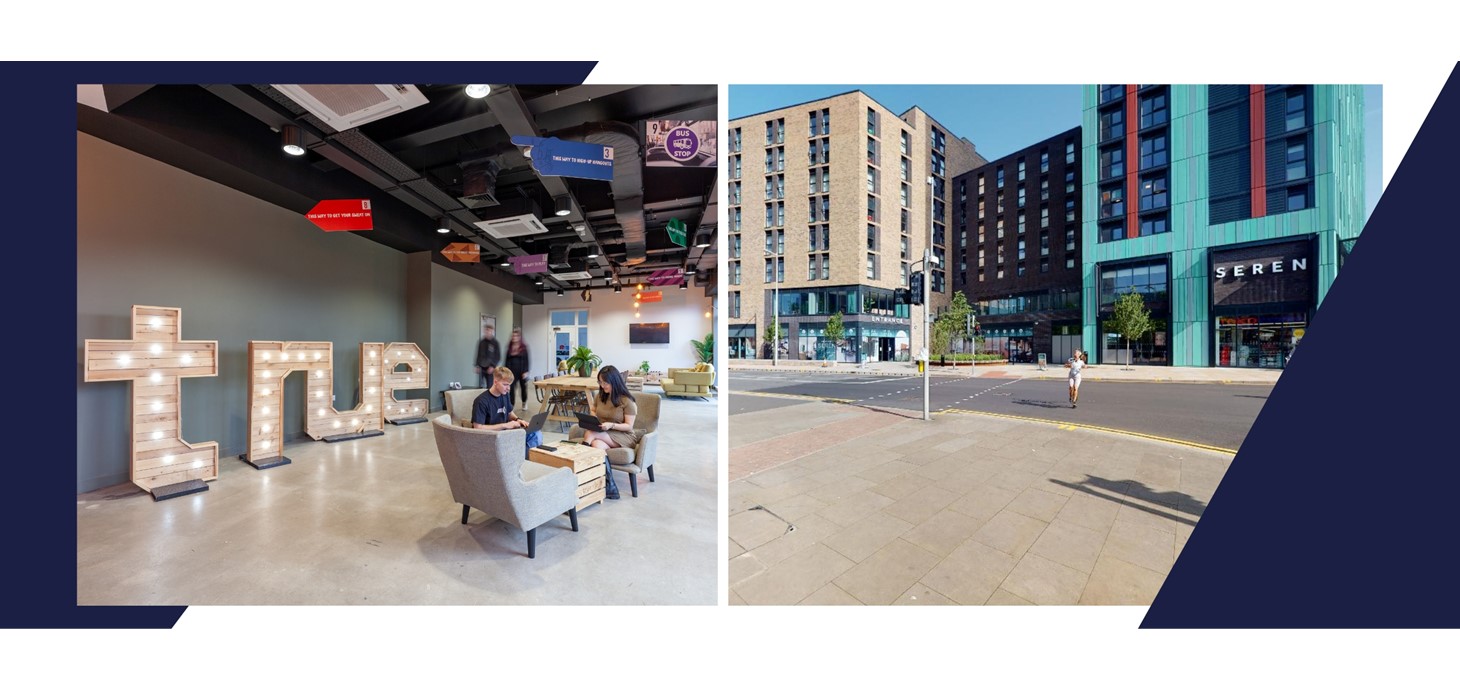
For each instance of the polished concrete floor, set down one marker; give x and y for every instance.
(372, 522)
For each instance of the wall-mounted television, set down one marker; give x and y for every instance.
(648, 334)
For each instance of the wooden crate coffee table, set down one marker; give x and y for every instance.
(585, 461)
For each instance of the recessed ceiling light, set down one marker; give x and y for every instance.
(478, 90)
(562, 206)
(441, 226)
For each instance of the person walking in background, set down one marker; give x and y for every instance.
(488, 354)
(1075, 365)
(519, 363)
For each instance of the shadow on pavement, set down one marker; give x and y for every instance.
(1127, 488)
(1243, 395)
(895, 412)
(1041, 403)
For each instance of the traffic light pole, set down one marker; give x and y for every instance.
(928, 306)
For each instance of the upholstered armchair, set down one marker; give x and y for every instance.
(458, 405)
(488, 469)
(640, 458)
(690, 383)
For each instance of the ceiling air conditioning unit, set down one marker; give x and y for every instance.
(514, 217)
(575, 270)
(346, 106)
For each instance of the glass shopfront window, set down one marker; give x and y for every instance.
(1264, 341)
(742, 341)
(1151, 279)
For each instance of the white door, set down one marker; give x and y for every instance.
(569, 331)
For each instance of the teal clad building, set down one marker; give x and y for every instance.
(1228, 207)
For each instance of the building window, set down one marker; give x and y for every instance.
(980, 257)
(811, 129)
(1021, 197)
(999, 274)
(981, 205)
(825, 154)
(735, 219)
(735, 140)
(781, 131)
(1000, 224)
(871, 266)
(1110, 232)
(770, 215)
(1021, 170)
(904, 248)
(1044, 161)
(825, 209)
(906, 168)
(903, 281)
(826, 267)
(1153, 151)
(780, 270)
(735, 246)
(1153, 193)
(1044, 244)
(1112, 162)
(811, 267)
(735, 164)
(770, 270)
(938, 144)
(939, 208)
(999, 254)
(871, 179)
(1111, 92)
(1153, 224)
(770, 132)
(770, 186)
(734, 192)
(825, 121)
(1153, 109)
(1112, 201)
(1069, 210)
(999, 177)
(735, 305)
(1297, 110)
(780, 214)
(1070, 240)
(825, 237)
(1112, 124)
(1069, 152)
(1044, 265)
(871, 238)
(811, 234)
(780, 158)
(825, 180)
(1020, 222)
(906, 221)
(906, 142)
(1069, 182)
(1044, 189)
(734, 272)
(1297, 197)
(1297, 159)
(1044, 216)
(906, 191)
(1021, 249)
(872, 157)
(1019, 271)
(872, 122)
(1069, 262)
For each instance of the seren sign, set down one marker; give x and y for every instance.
(1263, 274)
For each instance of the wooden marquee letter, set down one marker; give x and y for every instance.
(156, 360)
(416, 376)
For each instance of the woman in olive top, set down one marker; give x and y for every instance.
(615, 409)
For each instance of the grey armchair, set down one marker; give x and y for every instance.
(640, 458)
(488, 469)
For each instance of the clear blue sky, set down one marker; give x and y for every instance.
(1000, 120)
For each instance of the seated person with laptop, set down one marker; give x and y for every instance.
(492, 410)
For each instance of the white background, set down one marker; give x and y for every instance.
(1406, 46)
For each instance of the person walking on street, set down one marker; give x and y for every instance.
(1075, 365)
(518, 362)
(489, 353)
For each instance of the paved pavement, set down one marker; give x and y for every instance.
(840, 504)
(1216, 416)
(1096, 372)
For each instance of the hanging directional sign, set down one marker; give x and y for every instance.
(666, 276)
(560, 158)
(646, 297)
(676, 230)
(342, 215)
(531, 263)
(463, 252)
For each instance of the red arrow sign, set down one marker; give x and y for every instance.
(341, 215)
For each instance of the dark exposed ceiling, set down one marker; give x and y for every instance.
(411, 165)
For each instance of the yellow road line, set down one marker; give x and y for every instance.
(1071, 426)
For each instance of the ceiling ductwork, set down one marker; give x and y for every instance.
(627, 184)
(479, 182)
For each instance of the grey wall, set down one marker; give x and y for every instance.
(241, 269)
(457, 304)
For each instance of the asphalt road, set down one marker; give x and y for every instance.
(1210, 414)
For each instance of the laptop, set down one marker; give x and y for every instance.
(535, 424)
(588, 421)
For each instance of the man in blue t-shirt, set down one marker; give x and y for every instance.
(492, 410)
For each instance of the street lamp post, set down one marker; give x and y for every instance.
(776, 342)
(928, 305)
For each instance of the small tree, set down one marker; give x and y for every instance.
(773, 337)
(835, 332)
(951, 324)
(1131, 319)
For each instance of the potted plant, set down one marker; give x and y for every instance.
(583, 361)
(644, 368)
(704, 349)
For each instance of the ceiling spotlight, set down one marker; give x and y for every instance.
(505, 262)
(560, 292)
(618, 288)
(293, 140)
(562, 206)
(539, 282)
(478, 90)
(593, 253)
(684, 284)
(704, 240)
(441, 226)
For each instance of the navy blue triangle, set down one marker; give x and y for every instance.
(1340, 509)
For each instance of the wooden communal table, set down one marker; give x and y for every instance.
(585, 461)
(583, 386)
